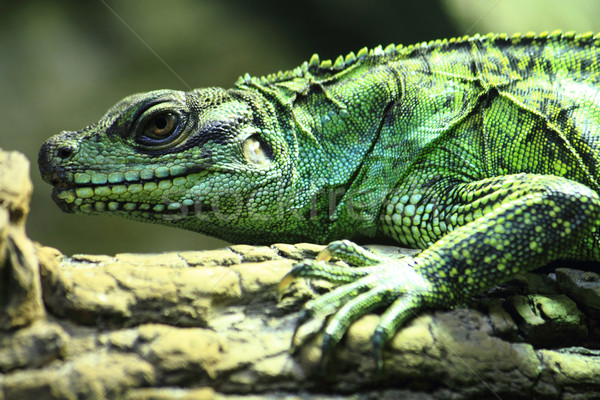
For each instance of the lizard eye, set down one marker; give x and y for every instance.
(161, 127)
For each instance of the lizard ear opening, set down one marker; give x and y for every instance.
(256, 152)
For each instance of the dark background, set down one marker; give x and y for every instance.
(64, 63)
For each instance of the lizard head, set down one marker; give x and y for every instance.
(202, 160)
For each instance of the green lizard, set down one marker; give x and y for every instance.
(483, 151)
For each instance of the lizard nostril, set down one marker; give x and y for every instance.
(64, 152)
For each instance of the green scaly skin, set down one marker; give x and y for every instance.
(483, 151)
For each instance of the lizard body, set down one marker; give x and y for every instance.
(483, 151)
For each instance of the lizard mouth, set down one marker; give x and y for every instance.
(148, 197)
(60, 186)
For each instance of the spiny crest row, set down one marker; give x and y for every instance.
(315, 64)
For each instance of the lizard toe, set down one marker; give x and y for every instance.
(348, 313)
(350, 253)
(312, 269)
(396, 314)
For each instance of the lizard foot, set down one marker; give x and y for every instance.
(377, 281)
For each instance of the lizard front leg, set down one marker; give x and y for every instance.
(496, 228)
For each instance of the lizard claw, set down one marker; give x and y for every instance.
(324, 255)
(284, 285)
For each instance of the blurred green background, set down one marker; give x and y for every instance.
(63, 63)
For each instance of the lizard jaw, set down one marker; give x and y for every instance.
(153, 196)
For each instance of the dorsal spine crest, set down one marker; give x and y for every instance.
(315, 65)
